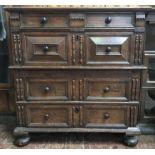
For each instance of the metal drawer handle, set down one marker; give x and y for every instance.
(108, 20)
(77, 109)
(45, 48)
(108, 49)
(46, 89)
(43, 20)
(107, 89)
(106, 115)
(46, 117)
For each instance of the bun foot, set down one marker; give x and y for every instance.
(22, 141)
(131, 140)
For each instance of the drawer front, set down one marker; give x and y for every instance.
(47, 89)
(46, 48)
(108, 86)
(106, 116)
(110, 20)
(109, 48)
(85, 85)
(88, 20)
(45, 85)
(31, 20)
(49, 116)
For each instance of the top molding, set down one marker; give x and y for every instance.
(81, 7)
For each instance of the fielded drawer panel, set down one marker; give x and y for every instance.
(49, 116)
(106, 116)
(46, 48)
(109, 48)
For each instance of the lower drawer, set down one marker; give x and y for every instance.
(88, 116)
(106, 116)
(48, 116)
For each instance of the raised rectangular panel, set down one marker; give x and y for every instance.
(31, 20)
(109, 48)
(46, 49)
(107, 88)
(117, 20)
(99, 116)
(47, 89)
(48, 116)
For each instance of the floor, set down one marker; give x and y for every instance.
(69, 140)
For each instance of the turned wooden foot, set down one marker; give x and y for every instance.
(22, 140)
(130, 140)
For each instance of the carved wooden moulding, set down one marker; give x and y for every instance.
(140, 19)
(77, 20)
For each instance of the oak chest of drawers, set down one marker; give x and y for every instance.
(76, 70)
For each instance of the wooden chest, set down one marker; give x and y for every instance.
(76, 70)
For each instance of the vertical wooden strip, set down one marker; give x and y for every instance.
(140, 49)
(81, 50)
(17, 89)
(20, 116)
(131, 116)
(81, 118)
(128, 116)
(80, 90)
(19, 48)
(17, 114)
(136, 48)
(73, 49)
(84, 89)
(73, 119)
(70, 118)
(21, 89)
(132, 89)
(15, 48)
(73, 89)
(135, 116)
(137, 88)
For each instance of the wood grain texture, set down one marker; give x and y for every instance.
(77, 70)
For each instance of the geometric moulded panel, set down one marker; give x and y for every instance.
(45, 49)
(108, 49)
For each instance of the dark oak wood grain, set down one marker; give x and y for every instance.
(76, 70)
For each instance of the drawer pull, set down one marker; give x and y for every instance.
(46, 117)
(107, 89)
(43, 20)
(106, 115)
(77, 109)
(108, 49)
(46, 89)
(108, 20)
(45, 48)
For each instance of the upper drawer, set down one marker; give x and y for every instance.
(46, 48)
(105, 48)
(110, 20)
(43, 20)
(87, 20)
